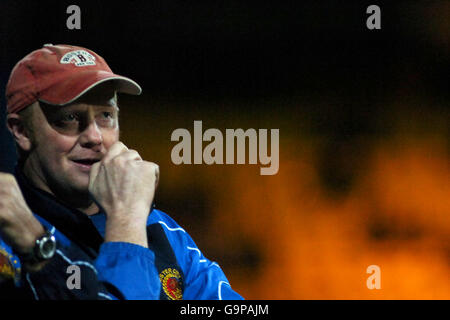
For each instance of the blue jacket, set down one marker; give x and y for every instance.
(171, 268)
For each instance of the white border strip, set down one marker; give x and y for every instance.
(32, 287)
(199, 253)
(220, 288)
(171, 229)
(81, 263)
(101, 294)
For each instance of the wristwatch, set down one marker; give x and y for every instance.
(44, 249)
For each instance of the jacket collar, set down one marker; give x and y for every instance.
(75, 224)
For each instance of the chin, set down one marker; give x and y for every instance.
(82, 187)
(79, 184)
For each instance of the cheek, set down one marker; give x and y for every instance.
(54, 146)
(110, 137)
(52, 150)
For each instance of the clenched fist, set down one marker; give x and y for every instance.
(124, 186)
(18, 227)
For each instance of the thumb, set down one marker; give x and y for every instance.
(93, 175)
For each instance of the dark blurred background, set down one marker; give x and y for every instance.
(364, 131)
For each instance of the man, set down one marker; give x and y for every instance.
(76, 219)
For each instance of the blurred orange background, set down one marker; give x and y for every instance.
(363, 178)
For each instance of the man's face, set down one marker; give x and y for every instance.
(68, 140)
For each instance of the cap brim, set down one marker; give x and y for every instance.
(122, 84)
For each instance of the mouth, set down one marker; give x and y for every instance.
(85, 164)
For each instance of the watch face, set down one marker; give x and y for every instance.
(47, 247)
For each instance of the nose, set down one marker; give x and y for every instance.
(91, 136)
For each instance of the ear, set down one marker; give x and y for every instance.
(18, 130)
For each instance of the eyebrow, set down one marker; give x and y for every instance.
(52, 113)
(52, 108)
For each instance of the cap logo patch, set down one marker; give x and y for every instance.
(80, 58)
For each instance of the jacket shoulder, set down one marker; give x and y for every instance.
(158, 216)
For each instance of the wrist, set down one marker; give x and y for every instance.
(137, 212)
(126, 230)
(29, 239)
(42, 251)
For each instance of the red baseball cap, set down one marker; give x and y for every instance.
(58, 75)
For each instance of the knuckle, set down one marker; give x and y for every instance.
(132, 153)
(152, 168)
(118, 160)
(8, 184)
(104, 161)
(7, 177)
(96, 165)
(149, 165)
(135, 153)
(120, 145)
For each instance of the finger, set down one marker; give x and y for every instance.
(156, 175)
(93, 174)
(156, 184)
(130, 155)
(155, 168)
(8, 179)
(116, 149)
